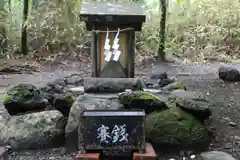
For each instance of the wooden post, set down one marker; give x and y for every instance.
(131, 54)
(93, 53)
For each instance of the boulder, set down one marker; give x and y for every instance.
(175, 128)
(228, 74)
(216, 155)
(3, 131)
(155, 79)
(192, 102)
(61, 86)
(59, 97)
(198, 108)
(36, 130)
(142, 100)
(186, 94)
(87, 102)
(166, 82)
(74, 80)
(63, 103)
(111, 85)
(70, 80)
(52, 90)
(24, 98)
(159, 80)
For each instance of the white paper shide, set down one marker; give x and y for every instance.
(115, 47)
(107, 48)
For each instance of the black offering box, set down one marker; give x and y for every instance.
(112, 131)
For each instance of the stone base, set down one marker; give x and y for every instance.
(88, 156)
(149, 155)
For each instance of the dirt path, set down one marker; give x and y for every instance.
(200, 77)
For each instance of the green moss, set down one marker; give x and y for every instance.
(7, 98)
(68, 99)
(145, 95)
(174, 86)
(20, 93)
(179, 85)
(142, 100)
(138, 95)
(175, 127)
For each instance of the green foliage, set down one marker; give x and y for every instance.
(198, 30)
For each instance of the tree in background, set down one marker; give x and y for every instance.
(161, 49)
(163, 4)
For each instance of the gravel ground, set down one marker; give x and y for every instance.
(199, 77)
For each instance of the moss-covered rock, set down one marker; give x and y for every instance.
(142, 100)
(63, 103)
(192, 102)
(174, 86)
(24, 98)
(176, 128)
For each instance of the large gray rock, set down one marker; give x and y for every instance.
(193, 103)
(111, 85)
(3, 131)
(186, 94)
(36, 130)
(24, 98)
(228, 74)
(216, 155)
(89, 102)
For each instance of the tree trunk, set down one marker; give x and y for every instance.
(24, 47)
(161, 49)
(3, 34)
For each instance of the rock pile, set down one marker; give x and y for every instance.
(38, 116)
(175, 117)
